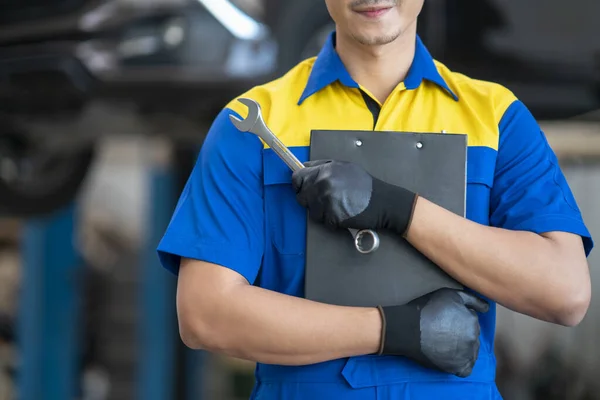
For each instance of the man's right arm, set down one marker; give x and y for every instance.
(215, 243)
(219, 311)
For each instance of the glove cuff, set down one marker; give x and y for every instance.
(402, 331)
(383, 329)
(395, 204)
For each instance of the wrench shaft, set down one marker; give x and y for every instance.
(278, 147)
(255, 124)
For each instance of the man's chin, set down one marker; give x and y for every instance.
(375, 38)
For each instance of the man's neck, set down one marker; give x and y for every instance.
(379, 69)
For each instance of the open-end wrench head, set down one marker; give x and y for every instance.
(254, 114)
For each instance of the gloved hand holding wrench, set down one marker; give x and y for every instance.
(340, 194)
(365, 240)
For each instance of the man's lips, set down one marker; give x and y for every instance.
(373, 12)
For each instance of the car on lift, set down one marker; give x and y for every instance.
(73, 70)
(177, 62)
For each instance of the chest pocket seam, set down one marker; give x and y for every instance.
(481, 179)
(284, 216)
(481, 166)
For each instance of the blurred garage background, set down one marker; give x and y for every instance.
(103, 107)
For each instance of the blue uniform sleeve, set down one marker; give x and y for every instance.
(219, 215)
(530, 191)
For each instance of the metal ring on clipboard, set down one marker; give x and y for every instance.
(360, 236)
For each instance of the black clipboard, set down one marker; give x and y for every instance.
(431, 164)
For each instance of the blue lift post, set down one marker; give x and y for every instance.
(49, 326)
(194, 362)
(159, 361)
(157, 328)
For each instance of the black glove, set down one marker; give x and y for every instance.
(439, 330)
(342, 194)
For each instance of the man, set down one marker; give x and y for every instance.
(237, 236)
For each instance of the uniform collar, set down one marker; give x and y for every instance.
(328, 68)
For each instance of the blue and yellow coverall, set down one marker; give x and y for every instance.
(239, 210)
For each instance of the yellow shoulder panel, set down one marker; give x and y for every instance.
(278, 100)
(483, 105)
(478, 112)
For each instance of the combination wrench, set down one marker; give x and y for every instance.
(365, 240)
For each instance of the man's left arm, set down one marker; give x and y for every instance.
(532, 259)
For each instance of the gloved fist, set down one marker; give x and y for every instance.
(333, 191)
(439, 330)
(343, 194)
